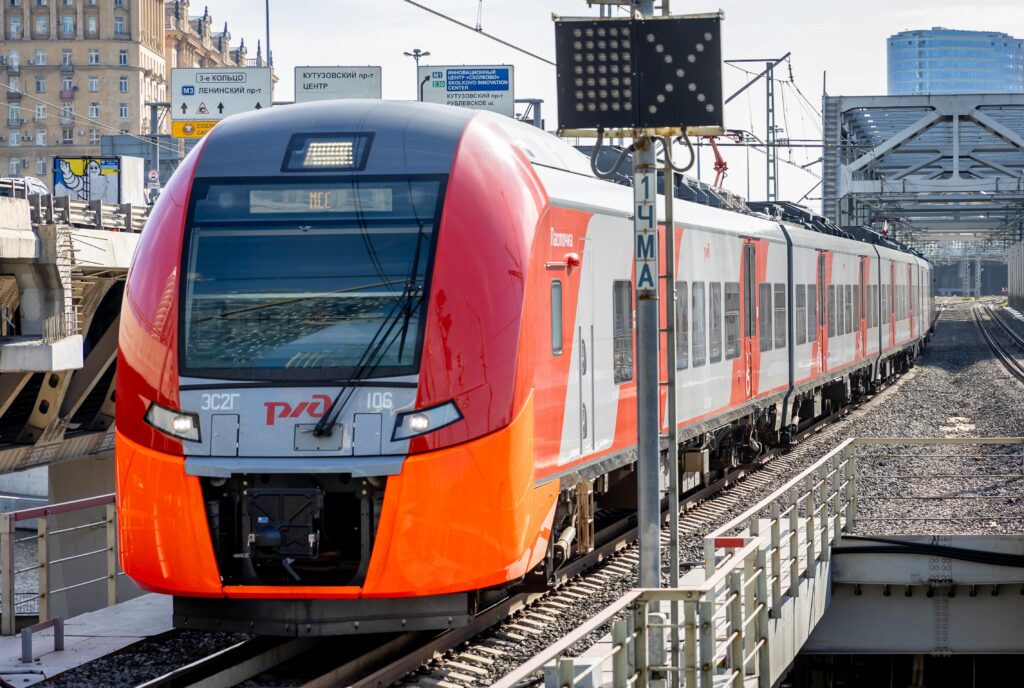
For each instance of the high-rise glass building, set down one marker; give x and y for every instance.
(939, 61)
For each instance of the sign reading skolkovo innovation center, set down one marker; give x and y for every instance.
(478, 87)
(336, 83)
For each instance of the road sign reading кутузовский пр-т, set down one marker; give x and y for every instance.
(213, 94)
(337, 83)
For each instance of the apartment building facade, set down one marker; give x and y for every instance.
(76, 70)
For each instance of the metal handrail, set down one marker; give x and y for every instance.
(724, 634)
(41, 514)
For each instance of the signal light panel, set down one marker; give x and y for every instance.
(639, 74)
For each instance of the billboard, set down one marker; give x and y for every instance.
(88, 179)
(110, 179)
(479, 87)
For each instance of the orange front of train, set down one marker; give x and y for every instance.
(325, 372)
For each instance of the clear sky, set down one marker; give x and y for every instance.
(845, 40)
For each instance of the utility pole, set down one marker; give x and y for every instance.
(645, 232)
(270, 59)
(416, 54)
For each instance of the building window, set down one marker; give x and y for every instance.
(67, 136)
(67, 25)
(67, 83)
(13, 84)
(40, 84)
(41, 138)
(91, 3)
(13, 167)
(14, 114)
(124, 110)
(40, 112)
(41, 26)
(13, 58)
(622, 330)
(123, 85)
(13, 27)
(94, 56)
(94, 110)
(92, 25)
(556, 318)
(65, 57)
(40, 57)
(119, 26)
(69, 3)
(122, 58)
(13, 138)
(94, 137)
(40, 167)
(94, 84)
(118, 3)
(67, 112)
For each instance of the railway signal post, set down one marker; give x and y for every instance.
(643, 77)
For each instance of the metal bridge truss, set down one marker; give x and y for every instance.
(933, 169)
(62, 270)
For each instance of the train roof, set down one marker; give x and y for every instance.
(422, 138)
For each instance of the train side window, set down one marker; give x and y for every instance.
(716, 321)
(698, 318)
(840, 310)
(812, 312)
(831, 310)
(732, 320)
(885, 303)
(556, 318)
(874, 305)
(682, 327)
(847, 309)
(622, 330)
(764, 312)
(856, 308)
(781, 322)
(800, 317)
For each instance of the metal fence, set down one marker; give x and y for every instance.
(754, 566)
(97, 512)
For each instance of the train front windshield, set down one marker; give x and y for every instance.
(307, 280)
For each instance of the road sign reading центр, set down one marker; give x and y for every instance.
(484, 87)
(336, 83)
(213, 94)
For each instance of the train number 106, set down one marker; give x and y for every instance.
(379, 400)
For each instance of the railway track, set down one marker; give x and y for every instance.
(1001, 338)
(467, 656)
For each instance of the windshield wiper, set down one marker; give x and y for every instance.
(374, 353)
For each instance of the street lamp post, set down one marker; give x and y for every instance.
(270, 60)
(416, 54)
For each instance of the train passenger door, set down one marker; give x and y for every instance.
(750, 313)
(822, 315)
(585, 347)
(911, 306)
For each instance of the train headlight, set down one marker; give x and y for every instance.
(420, 422)
(178, 424)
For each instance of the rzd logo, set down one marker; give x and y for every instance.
(282, 409)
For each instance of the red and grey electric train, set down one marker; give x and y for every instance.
(376, 361)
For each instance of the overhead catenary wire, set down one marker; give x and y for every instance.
(470, 27)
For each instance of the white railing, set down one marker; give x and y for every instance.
(755, 567)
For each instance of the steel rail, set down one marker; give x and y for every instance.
(405, 653)
(1004, 356)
